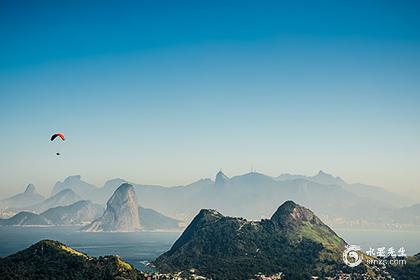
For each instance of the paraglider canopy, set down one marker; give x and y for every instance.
(58, 135)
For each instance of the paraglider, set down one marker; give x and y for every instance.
(61, 135)
(54, 136)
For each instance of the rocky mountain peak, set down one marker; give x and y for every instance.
(203, 217)
(76, 184)
(221, 179)
(30, 189)
(327, 179)
(209, 214)
(121, 213)
(123, 194)
(73, 178)
(291, 215)
(23, 200)
(324, 175)
(114, 183)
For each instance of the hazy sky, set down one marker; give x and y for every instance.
(166, 92)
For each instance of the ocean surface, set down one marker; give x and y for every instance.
(409, 240)
(138, 248)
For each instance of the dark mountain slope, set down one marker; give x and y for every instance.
(294, 241)
(26, 219)
(53, 260)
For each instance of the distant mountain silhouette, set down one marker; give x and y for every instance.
(375, 193)
(221, 180)
(26, 219)
(121, 213)
(75, 184)
(81, 212)
(101, 195)
(153, 220)
(255, 196)
(29, 197)
(63, 198)
(78, 213)
(66, 208)
(124, 214)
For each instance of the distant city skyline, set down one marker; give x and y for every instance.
(168, 93)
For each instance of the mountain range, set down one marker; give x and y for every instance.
(375, 193)
(29, 197)
(74, 183)
(121, 214)
(80, 212)
(62, 198)
(33, 202)
(255, 196)
(293, 244)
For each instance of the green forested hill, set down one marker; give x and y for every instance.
(294, 241)
(49, 259)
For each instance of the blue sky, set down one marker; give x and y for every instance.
(167, 92)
